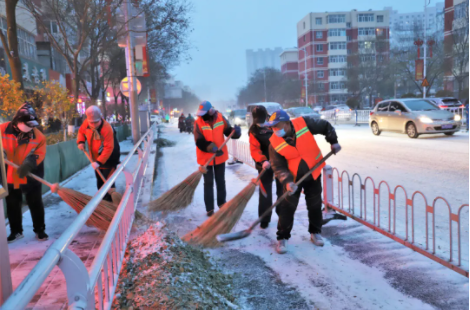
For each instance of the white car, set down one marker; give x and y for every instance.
(155, 118)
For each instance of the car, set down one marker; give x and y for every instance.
(412, 116)
(447, 103)
(317, 108)
(155, 118)
(271, 107)
(302, 111)
(237, 117)
(341, 111)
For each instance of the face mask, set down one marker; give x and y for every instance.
(206, 117)
(280, 133)
(24, 128)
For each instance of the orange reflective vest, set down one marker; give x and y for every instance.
(17, 153)
(212, 134)
(102, 147)
(305, 148)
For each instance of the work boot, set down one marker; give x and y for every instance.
(317, 239)
(14, 236)
(281, 247)
(264, 225)
(42, 236)
(210, 213)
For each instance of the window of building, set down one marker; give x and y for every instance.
(366, 31)
(337, 85)
(348, 38)
(319, 34)
(381, 58)
(304, 38)
(336, 18)
(338, 59)
(321, 86)
(348, 25)
(321, 98)
(461, 10)
(319, 47)
(337, 46)
(54, 28)
(339, 98)
(26, 44)
(365, 17)
(366, 45)
(320, 61)
(318, 21)
(304, 25)
(337, 72)
(367, 57)
(320, 74)
(380, 18)
(338, 32)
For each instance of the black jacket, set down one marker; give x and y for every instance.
(202, 143)
(279, 163)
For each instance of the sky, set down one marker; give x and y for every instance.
(225, 29)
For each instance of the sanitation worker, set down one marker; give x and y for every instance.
(259, 147)
(293, 152)
(181, 123)
(24, 145)
(209, 130)
(102, 143)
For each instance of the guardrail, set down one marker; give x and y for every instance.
(94, 289)
(409, 232)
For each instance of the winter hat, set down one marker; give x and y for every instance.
(93, 113)
(27, 115)
(276, 117)
(204, 107)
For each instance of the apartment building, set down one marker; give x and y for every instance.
(327, 39)
(290, 63)
(262, 58)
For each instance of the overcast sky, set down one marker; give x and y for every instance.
(225, 29)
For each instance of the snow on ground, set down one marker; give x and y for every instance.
(358, 268)
(25, 253)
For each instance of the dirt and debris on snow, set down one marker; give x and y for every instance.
(162, 272)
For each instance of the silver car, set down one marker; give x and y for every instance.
(413, 117)
(302, 111)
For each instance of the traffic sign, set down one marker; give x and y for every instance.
(425, 83)
(125, 87)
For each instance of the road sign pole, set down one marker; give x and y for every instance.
(134, 108)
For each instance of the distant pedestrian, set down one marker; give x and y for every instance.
(466, 113)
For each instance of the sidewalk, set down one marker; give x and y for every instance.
(25, 253)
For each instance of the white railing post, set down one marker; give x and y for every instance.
(327, 187)
(76, 280)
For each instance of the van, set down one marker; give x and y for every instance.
(271, 107)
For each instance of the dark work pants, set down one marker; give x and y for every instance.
(36, 207)
(107, 172)
(217, 171)
(266, 202)
(285, 211)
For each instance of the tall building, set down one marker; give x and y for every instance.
(290, 62)
(267, 58)
(328, 39)
(406, 27)
(456, 45)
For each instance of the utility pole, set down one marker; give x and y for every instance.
(134, 107)
(426, 2)
(305, 76)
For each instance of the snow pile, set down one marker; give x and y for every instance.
(162, 272)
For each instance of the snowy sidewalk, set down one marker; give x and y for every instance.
(25, 253)
(356, 269)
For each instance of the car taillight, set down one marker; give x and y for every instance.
(443, 106)
(337, 110)
(462, 106)
(323, 109)
(371, 113)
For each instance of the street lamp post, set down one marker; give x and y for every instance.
(426, 2)
(305, 75)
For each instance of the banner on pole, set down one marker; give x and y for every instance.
(419, 69)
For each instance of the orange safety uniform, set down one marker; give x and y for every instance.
(101, 146)
(17, 153)
(306, 148)
(213, 134)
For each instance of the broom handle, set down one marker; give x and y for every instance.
(97, 169)
(29, 174)
(287, 193)
(223, 144)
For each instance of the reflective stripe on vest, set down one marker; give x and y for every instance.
(215, 135)
(305, 148)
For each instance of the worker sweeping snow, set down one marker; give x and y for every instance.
(24, 145)
(259, 148)
(293, 152)
(209, 130)
(102, 143)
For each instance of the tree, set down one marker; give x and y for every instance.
(11, 96)
(353, 102)
(10, 43)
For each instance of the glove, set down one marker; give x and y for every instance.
(291, 188)
(219, 153)
(27, 166)
(212, 148)
(335, 148)
(95, 165)
(81, 147)
(266, 165)
(238, 130)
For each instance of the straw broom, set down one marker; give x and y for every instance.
(181, 195)
(223, 220)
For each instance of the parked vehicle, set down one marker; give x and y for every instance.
(446, 103)
(155, 118)
(412, 116)
(302, 111)
(340, 111)
(237, 117)
(271, 107)
(318, 108)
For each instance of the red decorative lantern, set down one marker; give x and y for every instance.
(431, 43)
(418, 43)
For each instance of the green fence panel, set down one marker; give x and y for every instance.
(120, 133)
(51, 166)
(71, 159)
(127, 132)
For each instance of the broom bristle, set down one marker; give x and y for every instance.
(178, 197)
(222, 221)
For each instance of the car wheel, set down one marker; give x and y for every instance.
(411, 131)
(449, 133)
(375, 129)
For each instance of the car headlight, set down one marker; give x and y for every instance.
(322, 117)
(425, 119)
(457, 117)
(238, 120)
